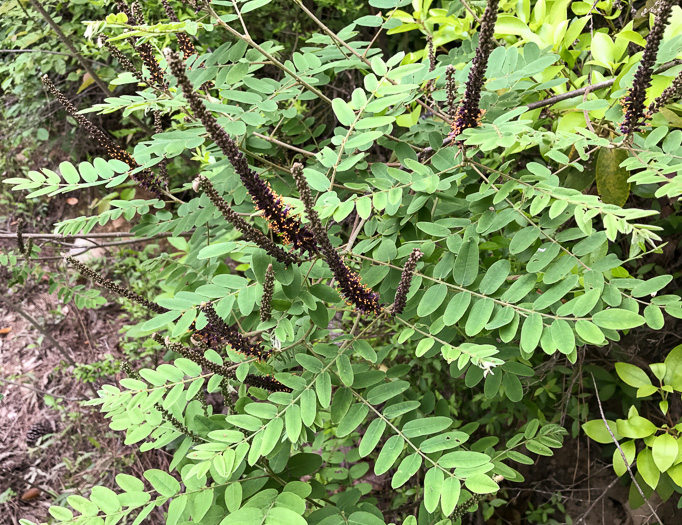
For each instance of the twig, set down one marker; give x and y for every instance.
(50, 53)
(627, 465)
(589, 509)
(81, 60)
(364, 59)
(592, 87)
(263, 52)
(284, 145)
(91, 235)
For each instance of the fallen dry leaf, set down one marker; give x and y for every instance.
(30, 494)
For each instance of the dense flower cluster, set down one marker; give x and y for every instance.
(266, 299)
(186, 45)
(249, 232)
(217, 334)
(146, 51)
(144, 178)
(468, 113)
(125, 62)
(356, 293)
(266, 382)
(163, 165)
(113, 287)
(270, 204)
(406, 281)
(451, 90)
(633, 103)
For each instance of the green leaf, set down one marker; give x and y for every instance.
(323, 387)
(589, 332)
(384, 392)
(654, 317)
(293, 422)
(253, 5)
(163, 483)
(596, 430)
(160, 320)
(308, 407)
(60, 513)
(364, 349)
(555, 293)
(463, 458)
(612, 180)
(389, 454)
(343, 112)
(523, 239)
(512, 387)
(651, 286)
(479, 316)
(629, 448)
(531, 332)
(617, 319)
(635, 427)
(664, 451)
(481, 484)
(632, 375)
(495, 277)
(69, 173)
(466, 264)
(345, 369)
(432, 299)
(456, 308)
(425, 426)
(563, 336)
(352, 420)
(450, 495)
(647, 468)
(408, 467)
(372, 436)
(271, 436)
(433, 484)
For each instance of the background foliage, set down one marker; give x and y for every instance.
(543, 231)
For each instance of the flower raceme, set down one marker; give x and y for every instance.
(144, 178)
(249, 232)
(406, 281)
(364, 299)
(278, 214)
(468, 113)
(633, 103)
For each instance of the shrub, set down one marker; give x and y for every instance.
(373, 255)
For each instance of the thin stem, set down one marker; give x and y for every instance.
(263, 52)
(81, 60)
(627, 465)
